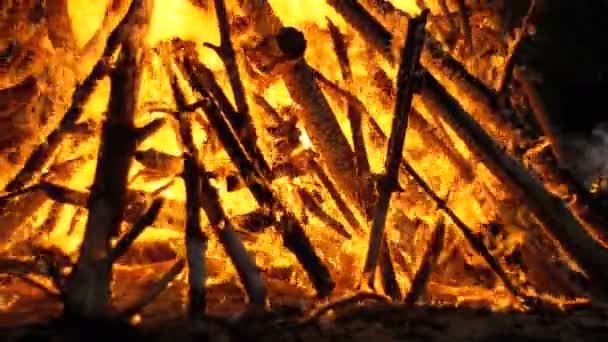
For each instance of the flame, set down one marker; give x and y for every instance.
(180, 18)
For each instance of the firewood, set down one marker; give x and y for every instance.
(354, 116)
(210, 202)
(127, 239)
(312, 205)
(88, 286)
(406, 86)
(422, 275)
(558, 222)
(243, 262)
(292, 231)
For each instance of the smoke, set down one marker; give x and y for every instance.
(590, 155)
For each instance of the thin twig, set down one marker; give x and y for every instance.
(88, 286)
(354, 115)
(405, 91)
(154, 291)
(196, 239)
(466, 27)
(421, 278)
(127, 240)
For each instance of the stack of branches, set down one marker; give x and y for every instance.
(344, 172)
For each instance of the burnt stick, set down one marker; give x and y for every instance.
(196, 239)
(406, 84)
(127, 239)
(88, 286)
(422, 275)
(291, 230)
(557, 220)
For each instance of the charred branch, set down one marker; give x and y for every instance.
(406, 86)
(368, 27)
(292, 231)
(88, 286)
(422, 275)
(241, 122)
(127, 240)
(243, 262)
(354, 116)
(558, 222)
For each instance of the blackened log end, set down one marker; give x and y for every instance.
(292, 42)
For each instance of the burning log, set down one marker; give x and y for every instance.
(354, 116)
(204, 194)
(88, 286)
(406, 85)
(245, 265)
(283, 54)
(558, 222)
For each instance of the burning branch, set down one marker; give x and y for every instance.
(557, 220)
(422, 275)
(88, 286)
(354, 116)
(406, 83)
(127, 240)
(243, 262)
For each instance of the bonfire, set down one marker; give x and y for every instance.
(253, 167)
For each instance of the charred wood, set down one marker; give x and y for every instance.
(128, 238)
(422, 275)
(557, 220)
(88, 286)
(243, 262)
(406, 87)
